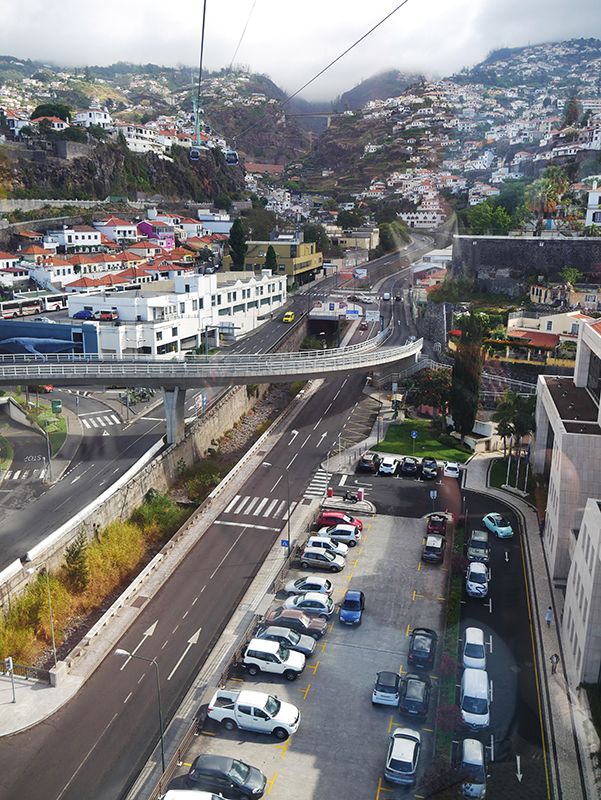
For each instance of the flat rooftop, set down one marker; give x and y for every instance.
(575, 406)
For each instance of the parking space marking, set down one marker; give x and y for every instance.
(271, 782)
(382, 788)
(208, 733)
(304, 692)
(282, 747)
(416, 595)
(321, 644)
(313, 666)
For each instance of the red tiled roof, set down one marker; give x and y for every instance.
(545, 340)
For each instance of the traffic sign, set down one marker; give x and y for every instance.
(414, 434)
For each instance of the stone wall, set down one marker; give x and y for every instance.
(504, 263)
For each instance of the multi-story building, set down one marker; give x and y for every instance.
(298, 260)
(568, 453)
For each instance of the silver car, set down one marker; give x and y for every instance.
(326, 543)
(319, 558)
(312, 603)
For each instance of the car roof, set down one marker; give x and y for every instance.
(434, 539)
(385, 676)
(321, 598)
(475, 635)
(211, 762)
(477, 566)
(264, 644)
(473, 752)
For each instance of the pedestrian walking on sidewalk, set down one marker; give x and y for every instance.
(549, 616)
(554, 662)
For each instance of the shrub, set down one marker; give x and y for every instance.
(75, 569)
(449, 719)
(448, 666)
(458, 564)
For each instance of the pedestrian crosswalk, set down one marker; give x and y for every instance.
(100, 421)
(265, 507)
(319, 484)
(22, 474)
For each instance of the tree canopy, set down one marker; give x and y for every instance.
(60, 110)
(237, 245)
(271, 260)
(467, 369)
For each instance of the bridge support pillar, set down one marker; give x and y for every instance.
(174, 400)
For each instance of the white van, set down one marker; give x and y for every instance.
(475, 698)
(386, 296)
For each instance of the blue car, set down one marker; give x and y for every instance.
(84, 314)
(351, 608)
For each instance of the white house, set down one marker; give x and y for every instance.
(593, 208)
(117, 230)
(77, 238)
(94, 116)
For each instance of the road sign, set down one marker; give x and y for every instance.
(284, 542)
(372, 316)
(350, 313)
(414, 434)
(433, 494)
(57, 406)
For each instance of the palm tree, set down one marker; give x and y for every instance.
(543, 195)
(514, 416)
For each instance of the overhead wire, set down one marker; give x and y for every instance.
(331, 64)
(242, 36)
(202, 44)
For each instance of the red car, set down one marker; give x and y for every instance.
(363, 326)
(336, 518)
(437, 523)
(108, 315)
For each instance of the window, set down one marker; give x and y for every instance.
(549, 326)
(194, 305)
(182, 308)
(159, 336)
(174, 332)
(574, 328)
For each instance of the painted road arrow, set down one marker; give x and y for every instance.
(191, 641)
(147, 633)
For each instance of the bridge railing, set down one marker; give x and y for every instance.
(316, 362)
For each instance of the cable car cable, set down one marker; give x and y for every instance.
(242, 36)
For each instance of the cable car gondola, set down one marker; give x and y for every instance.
(194, 154)
(231, 157)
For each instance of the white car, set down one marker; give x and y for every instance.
(451, 469)
(386, 689)
(326, 543)
(474, 649)
(310, 583)
(388, 466)
(403, 754)
(345, 534)
(477, 578)
(312, 603)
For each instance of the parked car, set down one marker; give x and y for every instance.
(388, 466)
(253, 711)
(403, 755)
(478, 547)
(301, 642)
(335, 517)
(409, 466)
(320, 558)
(327, 543)
(108, 315)
(437, 523)
(429, 468)
(473, 768)
(312, 603)
(499, 525)
(309, 583)
(386, 689)
(473, 652)
(451, 469)
(476, 579)
(288, 316)
(352, 607)
(345, 534)
(84, 314)
(297, 621)
(475, 697)
(415, 695)
(369, 462)
(433, 548)
(422, 648)
(265, 656)
(228, 776)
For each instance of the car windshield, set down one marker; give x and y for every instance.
(422, 644)
(351, 605)
(477, 577)
(386, 683)
(272, 706)
(283, 652)
(473, 650)
(400, 766)
(239, 771)
(328, 553)
(474, 773)
(294, 637)
(501, 522)
(475, 705)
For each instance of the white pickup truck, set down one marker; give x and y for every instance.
(254, 711)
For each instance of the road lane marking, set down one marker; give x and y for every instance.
(246, 524)
(88, 754)
(229, 551)
(317, 423)
(306, 440)
(270, 508)
(191, 642)
(328, 408)
(291, 460)
(127, 698)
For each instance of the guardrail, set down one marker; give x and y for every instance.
(26, 672)
(233, 370)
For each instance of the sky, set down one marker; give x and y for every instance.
(290, 41)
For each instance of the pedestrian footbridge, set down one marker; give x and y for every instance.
(174, 376)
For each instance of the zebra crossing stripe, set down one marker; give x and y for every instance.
(261, 504)
(252, 504)
(115, 419)
(270, 508)
(232, 504)
(94, 423)
(107, 420)
(280, 508)
(241, 506)
(86, 423)
(292, 507)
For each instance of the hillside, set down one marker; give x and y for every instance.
(386, 84)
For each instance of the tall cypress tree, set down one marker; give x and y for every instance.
(467, 369)
(271, 260)
(237, 245)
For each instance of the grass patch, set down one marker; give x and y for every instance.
(399, 440)
(7, 453)
(114, 557)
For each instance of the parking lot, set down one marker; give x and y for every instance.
(340, 747)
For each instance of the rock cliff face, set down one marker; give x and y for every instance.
(113, 170)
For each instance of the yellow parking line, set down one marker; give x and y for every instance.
(282, 747)
(304, 692)
(428, 730)
(419, 566)
(331, 626)
(313, 666)
(408, 630)
(238, 679)
(321, 644)
(271, 782)
(207, 733)
(415, 594)
(382, 788)
(185, 764)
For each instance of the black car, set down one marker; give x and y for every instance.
(230, 777)
(369, 462)
(422, 648)
(409, 466)
(415, 695)
(429, 468)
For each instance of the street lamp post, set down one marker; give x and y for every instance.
(275, 466)
(31, 571)
(127, 654)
